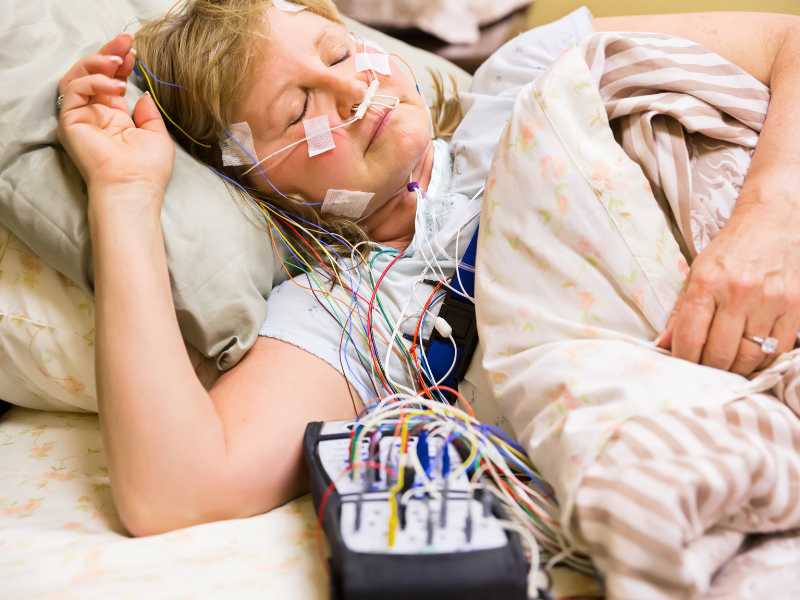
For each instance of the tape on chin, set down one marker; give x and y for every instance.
(238, 148)
(320, 138)
(346, 203)
(286, 6)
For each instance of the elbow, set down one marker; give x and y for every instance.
(157, 516)
(156, 522)
(150, 520)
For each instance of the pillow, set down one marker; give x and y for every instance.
(218, 288)
(47, 335)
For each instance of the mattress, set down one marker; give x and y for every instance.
(60, 538)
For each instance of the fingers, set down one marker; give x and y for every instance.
(785, 331)
(692, 322)
(750, 355)
(80, 92)
(724, 338)
(119, 45)
(146, 115)
(115, 59)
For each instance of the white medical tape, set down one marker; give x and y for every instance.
(318, 132)
(369, 97)
(373, 61)
(346, 203)
(287, 6)
(374, 46)
(238, 148)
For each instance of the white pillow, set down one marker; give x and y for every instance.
(47, 335)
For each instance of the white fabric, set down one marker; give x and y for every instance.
(58, 522)
(577, 271)
(295, 316)
(61, 537)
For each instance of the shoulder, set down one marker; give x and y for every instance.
(520, 60)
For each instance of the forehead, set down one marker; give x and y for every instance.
(292, 34)
(290, 40)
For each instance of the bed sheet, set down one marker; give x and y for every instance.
(60, 538)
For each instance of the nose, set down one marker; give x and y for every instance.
(346, 90)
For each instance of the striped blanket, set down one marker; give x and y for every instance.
(618, 167)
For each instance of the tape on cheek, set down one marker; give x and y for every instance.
(346, 203)
(286, 6)
(373, 61)
(320, 138)
(238, 148)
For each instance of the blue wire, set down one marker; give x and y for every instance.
(424, 363)
(152, 75)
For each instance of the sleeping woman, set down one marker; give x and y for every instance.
(254, 88)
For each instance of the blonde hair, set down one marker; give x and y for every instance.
(198, 57)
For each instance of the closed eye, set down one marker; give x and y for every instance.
(305, 104)
(341, 60)
(302, 114)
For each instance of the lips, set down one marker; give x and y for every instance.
(378, 127)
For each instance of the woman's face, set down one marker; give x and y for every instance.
(306, 68)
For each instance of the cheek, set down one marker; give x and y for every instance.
(312, 177)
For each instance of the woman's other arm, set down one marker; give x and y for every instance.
(177, 455)
(747, 281)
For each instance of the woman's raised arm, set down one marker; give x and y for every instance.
(177, 455)
(747, 280)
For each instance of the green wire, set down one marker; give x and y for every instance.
(409, 359)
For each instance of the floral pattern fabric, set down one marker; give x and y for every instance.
(578, 269)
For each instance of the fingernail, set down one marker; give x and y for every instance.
(115, 59)
(132, 51)
(147, 93)
(120, 84)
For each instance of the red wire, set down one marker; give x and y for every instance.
(370, 310)
(414, 346)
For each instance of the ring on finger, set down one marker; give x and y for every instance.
(769, 345)
(59, 102)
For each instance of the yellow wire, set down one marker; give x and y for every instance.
(164, 112)
(401, 467)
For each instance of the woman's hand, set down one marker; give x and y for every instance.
(111, 148)
(745, 283)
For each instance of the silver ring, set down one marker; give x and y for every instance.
(769, 345)
(59, 101)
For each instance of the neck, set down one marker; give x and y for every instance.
(393, 223)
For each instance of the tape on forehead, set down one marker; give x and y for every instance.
(238, 148)
(318, 132)
(346, 203)
(373, 61)
(287, 6)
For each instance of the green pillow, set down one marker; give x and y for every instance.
(220, 257)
